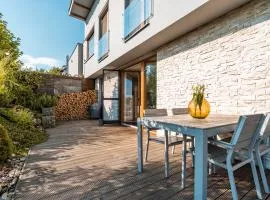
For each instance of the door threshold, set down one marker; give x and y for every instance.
(128, 125)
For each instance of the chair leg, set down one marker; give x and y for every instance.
(262, 172)
(214, 169)
(147, 146)
(232, 181)
(256, 179)
(184, 159)
(193, 151)
(166, 154)
(173, 149)
(210, 168)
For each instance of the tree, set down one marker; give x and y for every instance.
(9, 44)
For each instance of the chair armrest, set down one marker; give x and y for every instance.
(222, 144)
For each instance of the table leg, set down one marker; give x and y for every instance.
(201, 160)
(184, 159)
(139, 146)
(166, 154)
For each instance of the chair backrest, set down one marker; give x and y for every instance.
(265, 131)
(179, 111)
(155, 112)
(247, 131)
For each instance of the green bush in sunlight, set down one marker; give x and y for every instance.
(6, 147)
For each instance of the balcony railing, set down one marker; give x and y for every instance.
(103, 46)
(136, 15)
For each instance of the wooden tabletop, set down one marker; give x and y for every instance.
(212, 121)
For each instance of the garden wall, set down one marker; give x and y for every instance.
(230, 55)
(72, 106)
(57, 85)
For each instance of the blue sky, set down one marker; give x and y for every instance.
(47, 33)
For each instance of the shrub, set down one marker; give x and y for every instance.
(29, 79)
(5, 98)
(23, 137)
(7, 82)
(6, 147)
(28, 83)
(19, 115)
(47, 101)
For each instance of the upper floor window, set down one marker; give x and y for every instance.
(103, 35)
(136, 16)
(90, 46)
(103, 23)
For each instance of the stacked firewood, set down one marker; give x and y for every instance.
(74, 105)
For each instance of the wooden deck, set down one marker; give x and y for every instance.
(84, 161)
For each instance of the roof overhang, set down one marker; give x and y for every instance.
(80, 8)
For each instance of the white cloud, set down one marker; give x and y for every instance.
(39, 62)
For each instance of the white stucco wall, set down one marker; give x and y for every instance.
(75, 63)
(165, 13)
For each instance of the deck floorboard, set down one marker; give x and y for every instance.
(82, 160)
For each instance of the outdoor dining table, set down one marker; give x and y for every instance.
(200, 129)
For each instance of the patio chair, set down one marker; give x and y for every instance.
(172, 140)
(262, 148)
(153, 113)
(242, 146)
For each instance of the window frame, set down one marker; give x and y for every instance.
(91, 36)
(105, 11)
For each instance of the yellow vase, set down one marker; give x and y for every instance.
(197, 112)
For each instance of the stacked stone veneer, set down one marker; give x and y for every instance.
(230, 55)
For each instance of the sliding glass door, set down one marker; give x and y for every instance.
(131, 97)
(110, 108)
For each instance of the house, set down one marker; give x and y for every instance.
(149, 53)
(74, 66)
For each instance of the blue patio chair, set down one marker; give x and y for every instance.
(153, 113)
(241, 146)
(263, 147)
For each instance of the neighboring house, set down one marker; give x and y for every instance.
(75, 61)
(149, 53)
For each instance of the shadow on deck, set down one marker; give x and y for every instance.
(82, 160)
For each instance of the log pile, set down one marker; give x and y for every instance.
(74, 106)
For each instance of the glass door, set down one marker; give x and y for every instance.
(110, 97)
(131, 97)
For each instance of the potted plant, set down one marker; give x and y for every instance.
(47, 103)
(199, 106)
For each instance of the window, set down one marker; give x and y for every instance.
(103, 44)
(136, 16)
(90, 46)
